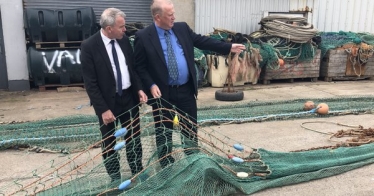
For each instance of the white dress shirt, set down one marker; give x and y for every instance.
(121, 59)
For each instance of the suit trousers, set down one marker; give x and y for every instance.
(124, 112)
(183, 98)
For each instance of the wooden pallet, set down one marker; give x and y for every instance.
(293, 70)
(337, 66)
(290, 80)
(347, 78)
(55, 45)
(60, 87)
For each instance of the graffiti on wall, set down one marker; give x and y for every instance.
(58, 56)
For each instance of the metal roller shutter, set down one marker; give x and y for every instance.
(136, 10)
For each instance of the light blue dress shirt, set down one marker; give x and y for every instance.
(179, 54)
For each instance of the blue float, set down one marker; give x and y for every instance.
(119, 145)
(124, 185)
(120, 132)
(238, 147)
(314, 110)
(237, 159)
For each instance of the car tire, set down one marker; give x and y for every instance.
(229, 96)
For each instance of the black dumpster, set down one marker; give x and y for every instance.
(51, 67)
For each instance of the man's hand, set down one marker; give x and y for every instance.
(237, 48)
(155, 91)
(108, 117)
(143, 98)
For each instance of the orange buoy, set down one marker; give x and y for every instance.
(322, 108)
(309, 105)
(281, 63)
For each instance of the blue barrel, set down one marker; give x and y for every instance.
(53, 67)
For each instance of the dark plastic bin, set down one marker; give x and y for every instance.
(75, 24)
(40, 25)
(54, 66)
(62, 25)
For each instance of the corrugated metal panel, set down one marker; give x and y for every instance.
(303, 5)
(343, 15)
(236, 15)
(136, 10)
(243, 15)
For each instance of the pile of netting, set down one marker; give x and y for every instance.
(218, 166)
(293, 28)
(201, 66)
(280, 38)
(75, 133)
(332, 40)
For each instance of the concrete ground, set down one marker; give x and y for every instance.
(273, 135)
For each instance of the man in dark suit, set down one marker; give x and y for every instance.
(114, 89)
(164, 59)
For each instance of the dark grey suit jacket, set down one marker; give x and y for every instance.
(98, 74)
(150, 62)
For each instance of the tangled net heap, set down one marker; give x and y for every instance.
(288, 38)
(219, 166)
(293, 28)
(332, 40)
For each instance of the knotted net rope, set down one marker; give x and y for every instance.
(218, 166)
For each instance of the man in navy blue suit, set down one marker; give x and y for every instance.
(164, 60)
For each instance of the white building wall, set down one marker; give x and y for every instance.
(344, 15)
(236, 15)
(244, 15)
(185, 11)
(15, 44)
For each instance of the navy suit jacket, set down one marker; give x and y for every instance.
(98, 74)
(150, 61)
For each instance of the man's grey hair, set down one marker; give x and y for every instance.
(108, 17)
(156, 6)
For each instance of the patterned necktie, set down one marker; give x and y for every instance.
(172, 60)
(119, 75)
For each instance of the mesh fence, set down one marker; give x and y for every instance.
(218, 165)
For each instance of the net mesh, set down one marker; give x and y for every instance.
(272, 47)
(332, 40)
(217, 166)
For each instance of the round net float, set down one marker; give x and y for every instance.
(281, 63)
(322, 108)
(237, 159)
(309, 105)
(175, 121)
(124, 185)
(119, 145)
(238, 147)
(120, 132)
(242, 174)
